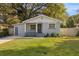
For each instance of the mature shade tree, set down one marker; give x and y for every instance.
(13, 20)
(25, 11)
(70, 22)
(28, 10)
(76, 18)
(5, 11)
(56, 10)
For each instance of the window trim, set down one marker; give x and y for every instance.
(51, 26)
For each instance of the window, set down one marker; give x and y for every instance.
(51, 26)
(32, 27)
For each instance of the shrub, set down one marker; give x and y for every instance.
(4, 32)
(77, 33)
(1, 34)
(57, 35)
(63, 26)
(54, 35)
(70, 23)
(47, 35)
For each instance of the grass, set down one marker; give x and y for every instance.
(63, 46)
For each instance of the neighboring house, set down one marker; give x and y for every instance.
(38, 26)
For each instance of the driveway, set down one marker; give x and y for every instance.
(6, 39)
(9, 38)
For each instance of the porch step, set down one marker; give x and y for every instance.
(40, 34)
(34, 34)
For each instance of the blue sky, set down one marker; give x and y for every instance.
(71, 8)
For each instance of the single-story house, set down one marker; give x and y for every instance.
(37, 26)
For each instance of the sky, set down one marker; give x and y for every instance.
(72, 8)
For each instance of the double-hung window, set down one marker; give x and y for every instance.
(51, 26)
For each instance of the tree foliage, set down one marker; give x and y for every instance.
(5, 10)
(70, 22)
(13, 20)
(25, 11)
(75, 18)
(56, 10)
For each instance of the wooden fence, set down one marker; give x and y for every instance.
(68, 31)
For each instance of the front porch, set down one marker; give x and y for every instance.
(34, 29)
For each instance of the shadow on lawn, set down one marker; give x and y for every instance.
(66, 48)
(31, 51)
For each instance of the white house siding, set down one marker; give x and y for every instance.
(21, 29)
(57, 27)
(11, 31)
(45, 28)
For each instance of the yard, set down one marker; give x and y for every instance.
(59, 46)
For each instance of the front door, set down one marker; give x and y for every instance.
(39, 28)
(16, 30)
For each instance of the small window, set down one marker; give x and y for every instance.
(32, 27)
(51, 26)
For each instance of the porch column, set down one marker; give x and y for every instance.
(36, 27)
(24, 27)
(14, 30)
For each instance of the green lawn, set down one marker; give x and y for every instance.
(41, 47)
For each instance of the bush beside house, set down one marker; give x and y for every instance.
(77, 33)
(4, 32)
(51, 35)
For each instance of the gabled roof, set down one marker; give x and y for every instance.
(41, 19)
